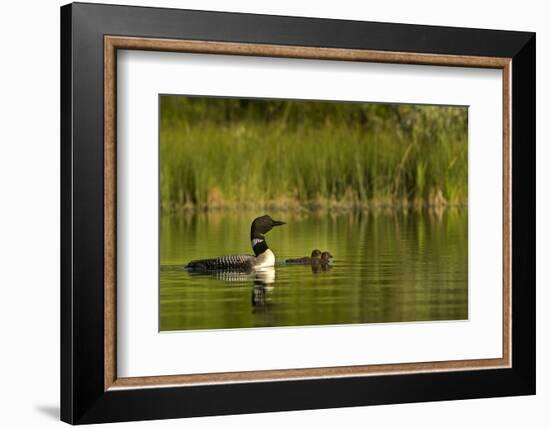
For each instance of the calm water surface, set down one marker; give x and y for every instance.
(387, 267)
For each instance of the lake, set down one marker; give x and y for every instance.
(388, 266)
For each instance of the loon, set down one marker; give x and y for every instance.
(315, 254)
(263, 256)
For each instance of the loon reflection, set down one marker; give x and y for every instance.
(262, 285)
(266, 275)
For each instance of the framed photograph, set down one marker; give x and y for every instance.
(265, 213)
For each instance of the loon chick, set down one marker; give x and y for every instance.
(325, 258)
(322, 264)
(263, 256)
(315, 254)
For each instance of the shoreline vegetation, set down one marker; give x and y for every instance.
(307, 156)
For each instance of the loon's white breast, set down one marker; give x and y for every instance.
(265, 259)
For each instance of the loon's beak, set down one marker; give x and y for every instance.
(278, 223)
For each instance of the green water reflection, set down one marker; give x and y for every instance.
(388, 267)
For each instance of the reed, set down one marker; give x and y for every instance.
(295, 155)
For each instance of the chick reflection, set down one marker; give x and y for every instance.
(321, 267)
(262, 279)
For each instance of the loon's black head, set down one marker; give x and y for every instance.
(263, 225)
(315, 253)
(260, 226)
(326, 256)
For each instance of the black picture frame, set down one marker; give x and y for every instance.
(83, 398)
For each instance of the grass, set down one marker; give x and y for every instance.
(232, 153)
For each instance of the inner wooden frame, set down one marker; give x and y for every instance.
(113, 43)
